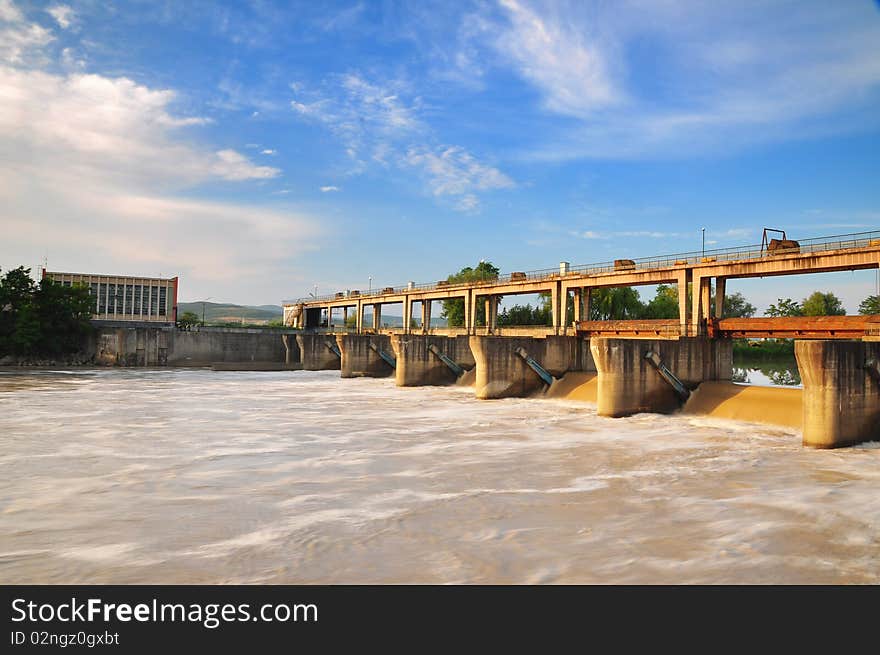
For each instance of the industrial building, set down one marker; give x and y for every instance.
(124, 298)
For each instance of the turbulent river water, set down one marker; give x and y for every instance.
(197, 476)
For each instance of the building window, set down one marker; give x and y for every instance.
(93, 291)
(162, 292)
(129, 290)
(154, 300)
(102, 298)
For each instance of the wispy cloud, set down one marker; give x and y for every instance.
(378, 127)
(329, 189)
(674, 78)
(568, 62)
(268, 151)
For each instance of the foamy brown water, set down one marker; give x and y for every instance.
(186, 476)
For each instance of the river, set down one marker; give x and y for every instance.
(196, 476)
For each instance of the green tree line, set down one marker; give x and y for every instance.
(42, 318)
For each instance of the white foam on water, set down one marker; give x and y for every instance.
(160, 476)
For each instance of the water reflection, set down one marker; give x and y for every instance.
(777, 372)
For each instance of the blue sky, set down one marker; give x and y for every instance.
(257, 149)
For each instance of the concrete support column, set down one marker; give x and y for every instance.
(407, 314)
(345, 317)
(329, 316)
(426, 316)
(587, 295)
(702, 287)
(491, 306)
(841, 400)
(578, 305)
(377, 316)
(473, 311)
(684, 278)
(359, 318)
(556, 299)
(468, 315)
(720, 290)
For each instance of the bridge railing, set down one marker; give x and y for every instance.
(736, 253)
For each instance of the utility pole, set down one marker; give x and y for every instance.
(704, 241)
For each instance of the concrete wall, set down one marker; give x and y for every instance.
(135, 346)
(167, 346)
(208, 345)
(418, 366)
(314, 353)
(841, 401)
(628, 384)
(501, 373)
(360, 360)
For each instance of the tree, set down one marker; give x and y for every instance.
(870, 305)
(785, 307)
(736, 306)
(63, 314)
(822, 304)
(664, 304)
(525, 315)
(453, 310)
(42, 319)
(187, 320)
(615, 303)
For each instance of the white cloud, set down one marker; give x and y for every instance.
(268, 151)
(329, 189)
(62, 14)
(19, 40)
(453, 171)
(232, 165)
(111, 127)
(9, 12)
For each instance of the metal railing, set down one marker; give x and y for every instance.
(737, 253)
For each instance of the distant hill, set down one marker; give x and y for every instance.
(228, 313)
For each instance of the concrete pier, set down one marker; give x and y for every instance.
(418, 366)
(315, 353)
(841, 399)
(628, 384)
(359, 359)
(502, 373)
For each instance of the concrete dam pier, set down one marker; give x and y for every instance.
(841, 391)
(365, 355)
(630, 384)
(503, 370)
(318, 352)
(426, 360)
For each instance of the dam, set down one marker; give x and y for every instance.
(632, 367)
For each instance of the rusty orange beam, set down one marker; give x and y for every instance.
(660, 327)
(794, 327)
